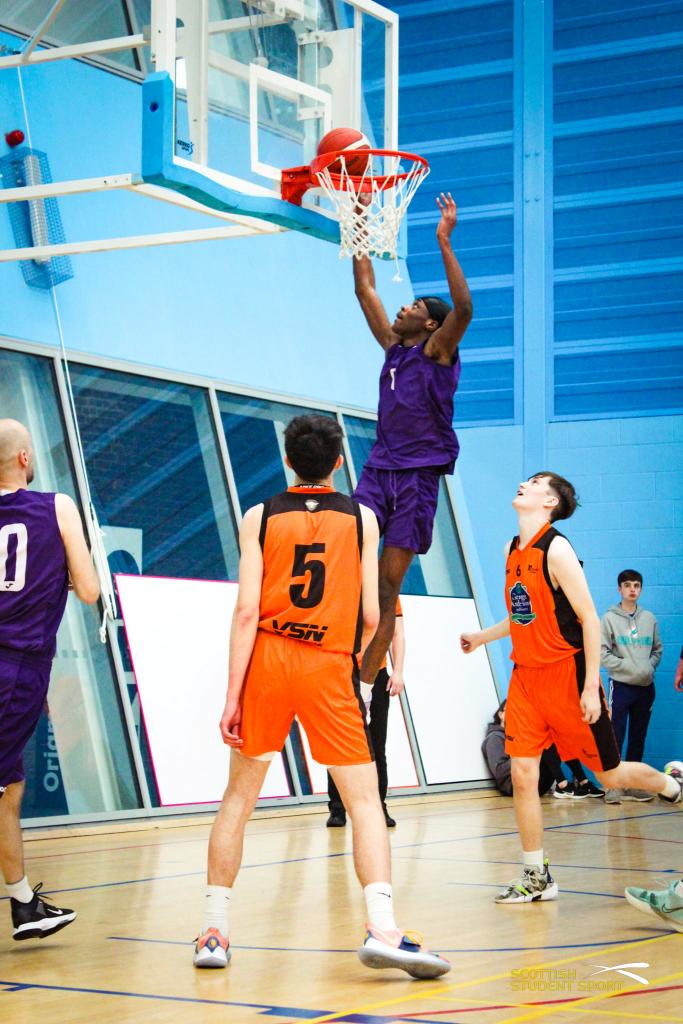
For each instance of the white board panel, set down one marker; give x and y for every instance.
(400, 764)
(451, 695)
(178, 636)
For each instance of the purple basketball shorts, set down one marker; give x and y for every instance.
(24, 680)
(404, 501)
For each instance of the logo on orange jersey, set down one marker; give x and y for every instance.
(521, 611)
(311, 504)
(309, 631)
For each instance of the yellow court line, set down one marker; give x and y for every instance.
(543, 1011)
(572, 1007)
(443, 989)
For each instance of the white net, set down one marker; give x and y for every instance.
(371, 205)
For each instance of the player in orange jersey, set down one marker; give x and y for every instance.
(308, 557)
(555, 694)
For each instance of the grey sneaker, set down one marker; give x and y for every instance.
(640, 796)
(612, 796)
(532, 887)
(675, 769)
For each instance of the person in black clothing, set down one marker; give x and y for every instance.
(386, 686)
(499, 764)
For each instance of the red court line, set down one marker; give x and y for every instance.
(538, 1002)
(620, 835)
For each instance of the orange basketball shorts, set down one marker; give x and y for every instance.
(543, 707)
(288, 678)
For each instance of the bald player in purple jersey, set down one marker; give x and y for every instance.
(416, 444)
(42, 553)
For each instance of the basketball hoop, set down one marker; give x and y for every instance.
(370, 206)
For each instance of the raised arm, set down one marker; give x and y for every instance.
(370, 302)
(444, 341)
(82, 573)
(565, 570)
(244, 623)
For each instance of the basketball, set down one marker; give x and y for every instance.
(348, 139)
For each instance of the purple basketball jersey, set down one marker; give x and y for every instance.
(415, 413)
(33, 573)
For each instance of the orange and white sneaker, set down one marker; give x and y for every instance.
(402, 950)
(212, 949)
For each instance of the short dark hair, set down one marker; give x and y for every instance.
(313, 445)
(496, 713)
(629, 574)
(563, 490)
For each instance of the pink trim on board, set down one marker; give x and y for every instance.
(183, 579)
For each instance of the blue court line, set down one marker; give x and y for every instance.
(494, 949)
(565, 892)
(266, 1009)
(348, 853)
(582, 867)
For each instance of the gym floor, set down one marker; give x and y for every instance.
(297, 918)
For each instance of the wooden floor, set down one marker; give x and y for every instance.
(298, 916)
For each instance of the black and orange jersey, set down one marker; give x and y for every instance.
(312, 541)
(543, 625)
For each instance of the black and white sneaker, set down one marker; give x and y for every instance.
(37, 919)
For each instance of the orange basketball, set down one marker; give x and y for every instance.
(348, 139)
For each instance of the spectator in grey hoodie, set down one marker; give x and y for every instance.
(631, 649)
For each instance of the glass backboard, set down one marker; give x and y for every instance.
(253, 87)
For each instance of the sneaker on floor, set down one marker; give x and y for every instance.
(588, 789)
(212, 949)
(612, 796)
(336, 820)
(640, 796)
(665, 904)
(37, 919)
(533, 887)
(675, 769)
(564, 792)
(405, 951)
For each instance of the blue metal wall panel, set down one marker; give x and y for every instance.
(618, 219)
(456, 108)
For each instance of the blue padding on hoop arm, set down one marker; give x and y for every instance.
(159, 168)
(36, 221)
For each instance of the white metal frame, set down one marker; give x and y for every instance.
(166, 44)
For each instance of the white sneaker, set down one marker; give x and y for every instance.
(402, 950)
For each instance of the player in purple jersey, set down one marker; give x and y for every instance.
(416, 443)
(42, 553)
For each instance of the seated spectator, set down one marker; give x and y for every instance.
(499, 764)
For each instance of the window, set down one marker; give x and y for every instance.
(78, 761)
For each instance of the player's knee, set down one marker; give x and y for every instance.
(388, 593)
(524, 776)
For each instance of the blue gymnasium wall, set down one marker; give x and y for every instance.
(560, 140)
(556, 125)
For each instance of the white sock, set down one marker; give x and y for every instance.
(379, 901)
(672, 788)
(20, 890)
(216, 900)
(533, 859)
(679, 889)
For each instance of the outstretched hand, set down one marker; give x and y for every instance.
(449, 216)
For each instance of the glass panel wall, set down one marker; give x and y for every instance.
(78, 761)
(157, 486)
(441, 572)
(254, 430)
